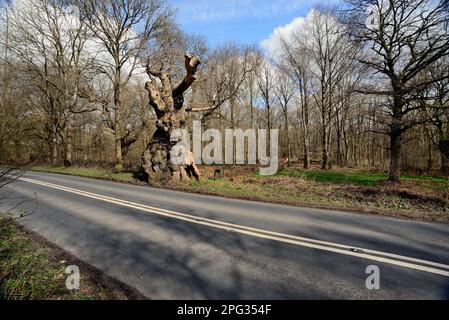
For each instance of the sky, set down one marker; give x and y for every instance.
(241, 21)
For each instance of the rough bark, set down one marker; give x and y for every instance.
(287, 142)
(68, 153)
(443, 147)
(325, 145)
(325, 155)
(54, 145)
(54, 152)
(395, 157)
(168, 102)
(118, 155)
(68, 144)
(305, 111)
(396, 131)
(306, 161)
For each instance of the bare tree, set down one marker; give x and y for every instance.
(227, 71)
(297, 61)
(167, 100)
(124, 29)
(48, 40)
(404, 38)
(331, 55)
(284, 93)
(250, 85)
(266, 85)
(435, 106)
(4, 80)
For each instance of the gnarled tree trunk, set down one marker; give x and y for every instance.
(168, 103)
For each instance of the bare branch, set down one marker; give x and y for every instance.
(191, 65)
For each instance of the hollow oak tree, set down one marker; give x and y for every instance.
(168, 103)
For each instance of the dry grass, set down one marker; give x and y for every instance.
(423, 198)
(418, 198)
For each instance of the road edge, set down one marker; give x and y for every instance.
(244, 198)
(105, 280)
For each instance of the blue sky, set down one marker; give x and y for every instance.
(242, 21)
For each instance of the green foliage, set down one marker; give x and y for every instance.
(355, 177)
(24, 269)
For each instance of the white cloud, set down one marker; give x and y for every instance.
(272, 44)
(219, 10)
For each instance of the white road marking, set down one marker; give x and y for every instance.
(379, 256)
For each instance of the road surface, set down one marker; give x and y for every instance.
(173, 245)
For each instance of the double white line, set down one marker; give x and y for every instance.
(378, 256)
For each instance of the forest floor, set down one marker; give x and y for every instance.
(32, 268)
(423, 198)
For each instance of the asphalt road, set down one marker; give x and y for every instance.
(173, 245)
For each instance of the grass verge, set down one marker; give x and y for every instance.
(88, 172)
(423, 198)
(33, 269)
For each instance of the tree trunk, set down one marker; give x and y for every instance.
(347, 148)
(54, 150)
(338, 128)
(325, 151)
(69, 145)
(395, 157)
(339, 148)
(251, 105)
(429, 158)
(68, 154)
(287, 137)
(118, 119)
(443, 147)
(161, 162)
(306, 154)
(306, 142)
(157, 161)
(396, 130)
(118, 155)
